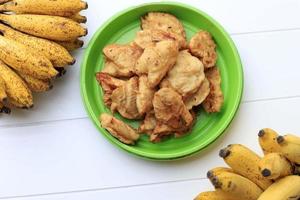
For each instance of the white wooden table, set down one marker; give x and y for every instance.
(54, 152)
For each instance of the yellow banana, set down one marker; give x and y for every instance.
(236, 185)
(45, 7)
(287, 188)
(290, 147)
(57, 54)
(78, 18)
(37, 85)
(16, 89)
(245, 162)
(71, 45)
(3, 95)
(217, 170)
(216, 195)
(267, 140)
(4, 109)
(44, 26)
(275, 165)
(22, 59)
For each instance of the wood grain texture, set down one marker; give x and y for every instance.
(54, 148)
(72, 155)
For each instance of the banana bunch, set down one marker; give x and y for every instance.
(36, 39)
(275, 176)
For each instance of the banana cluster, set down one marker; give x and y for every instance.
(36, 39)
(275, 176)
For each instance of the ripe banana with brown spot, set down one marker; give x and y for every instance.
(78, 18)
(23, 60)
(4, 109)
(217, 170)
(236, 185)
(57, 54)
(216, 195)
(45, 7)
(37, 85)
(3, 95)
(275, 165)
(267, 140)
(16, 89)
(287, 188)
(244, 162)
(71, 45)
(44, 26)
(290, 147)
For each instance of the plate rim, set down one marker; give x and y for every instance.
(183, 154)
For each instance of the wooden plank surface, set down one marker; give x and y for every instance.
(71, 155)
(55, 152)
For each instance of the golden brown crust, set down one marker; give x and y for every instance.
(214, 101)
(199, 96)
(165, 22)
(203, 46)
(124, 56)
(170, 109)
(187, 74)
(108, 84)
(119, 129)
(144, 96)
(157, 61)
(124, 99)
(149, 37)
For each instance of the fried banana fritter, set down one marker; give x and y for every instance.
(203, 46)
(123, 55)
(165, 22)
(170, 109)
(144, 96)
(109, 84)
(119, 129)
(124, 99)
(157, 61)
(148, 38)
(115, 70)
(198, 97)
(214, 101)
(186, 76)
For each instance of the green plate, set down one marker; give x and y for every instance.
(121, 28)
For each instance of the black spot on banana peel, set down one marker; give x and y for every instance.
(224, 153)
(280, 139)
(209, 175)
(266, 172)
(215, 182)
(261, 133)
(5, 110)
(61, 71)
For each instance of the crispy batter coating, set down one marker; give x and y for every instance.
(119, 129)
(109, 84)
(124, 99)
(144, 96)
(214, 101)
(148, 38)
(198, 97)
(165, 22)
(123, 55)
(149, 123)
(187, 75)
(157, 61)
(170, 109)
(158, 130)
(115, 70)
(203, 46)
